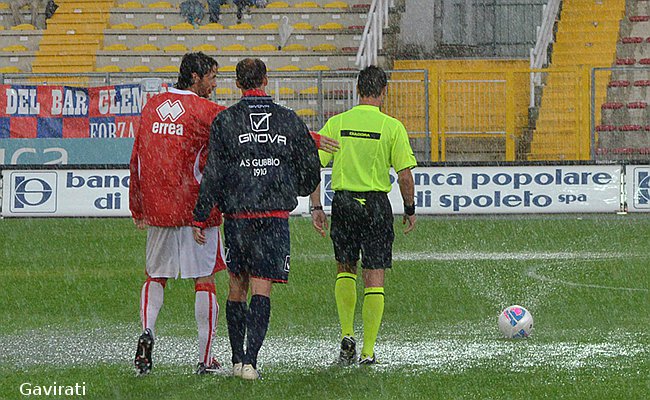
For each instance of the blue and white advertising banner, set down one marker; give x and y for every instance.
(65, 193)
(506, 190)
(637, 183)
(65, 151)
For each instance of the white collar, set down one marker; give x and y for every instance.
(181, 91)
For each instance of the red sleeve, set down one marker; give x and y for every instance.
(316, 138)
(135, 194)
(209, 118)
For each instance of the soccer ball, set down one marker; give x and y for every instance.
(515, 322)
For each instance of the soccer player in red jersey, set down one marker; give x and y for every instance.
(168, 158)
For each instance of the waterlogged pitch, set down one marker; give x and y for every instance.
(69, 295)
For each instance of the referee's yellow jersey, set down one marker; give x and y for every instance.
(371, 142)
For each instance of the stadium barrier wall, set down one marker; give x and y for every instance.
(102, 192)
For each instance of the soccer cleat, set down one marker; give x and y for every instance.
(367, 360)
(237, 369)
(143, 362)
(248, 372)
(213, 368)
(348, 354)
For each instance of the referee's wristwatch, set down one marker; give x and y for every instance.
(315, 208)
(409, 210)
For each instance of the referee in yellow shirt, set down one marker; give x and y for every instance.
(362, 218)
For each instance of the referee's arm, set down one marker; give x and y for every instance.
(407, 189)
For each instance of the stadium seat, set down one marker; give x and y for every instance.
(306, 112)
(613, 105)
(284, 92)
(633, 39)
(227, 68)
(108, 68)
(306, 4)
(264, 47)
(330, 26)
(625, 61)
(224, 91)
(124, 26)
(272, 26)
(23, 27)
(619, 83)
(324, 47)
(302, 26)
(245, 26)
(206, 48)
(16, 48)
(212, 26)
(116, 47)
(640, 18)
(138, 68)
(234, 47)
(638, 105)
(295, 47)
(4, 6)
(160, 4)
(130, 4)
(167, 68)
(153, 27)
(318, 68)
(336, 4)
(287, 68)
(183, 26)
(309, 91)
(177, 47)
(278, 4)
(145, 47)
(9, 70)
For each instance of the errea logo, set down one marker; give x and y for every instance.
(172, 111)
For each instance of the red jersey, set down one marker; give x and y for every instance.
(169, 154)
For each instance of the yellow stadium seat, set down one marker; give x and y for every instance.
(295, 47)
(138, 68)
(224, 91)
(160, 4)
(302, 26)
(9, 70)
(23, 27)
(153, 27)
(116, 47)
(205, 48)
(183, 26)
(130, 4)
(15, 48)
(285, 91)
(318, 68)
(4, 6)
(234, 47)
(167, 68)
(264, 47)
(145, 47)
(336, 4)
(324, 47)
(307, 4)
(244, 26)
(278, 4)
(288, 68)
(108, 68)
(306, 112)
(211, 26)
(2, 28)
(175, 47)
(331, 26)
(273, 26)
(309, 90)
(227, 68)
(124, 26)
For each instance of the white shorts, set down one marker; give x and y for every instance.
(171, 250)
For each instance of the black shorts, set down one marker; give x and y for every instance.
(259, 246)
(362, 223)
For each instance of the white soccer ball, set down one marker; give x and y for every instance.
(515, 322)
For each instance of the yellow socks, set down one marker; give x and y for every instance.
(345, 292)
(373, 310)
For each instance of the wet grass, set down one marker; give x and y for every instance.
(585, 279)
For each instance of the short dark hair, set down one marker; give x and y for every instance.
(372, 80)
(199, 63)
(251, 73)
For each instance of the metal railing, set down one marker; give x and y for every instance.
(539, 54)
(372, 39)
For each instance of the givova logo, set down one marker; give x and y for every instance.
(642, 187)
(33, 192)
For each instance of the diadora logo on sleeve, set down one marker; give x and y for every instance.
(171, 111)
(641, 187)
(33, 192)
